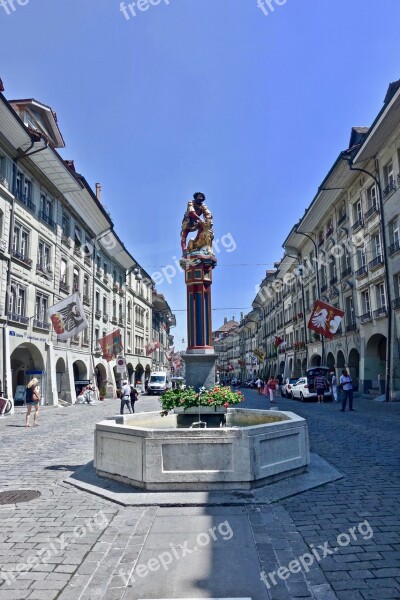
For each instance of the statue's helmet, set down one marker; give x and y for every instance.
(199, 197)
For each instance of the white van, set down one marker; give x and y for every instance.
(158, 383)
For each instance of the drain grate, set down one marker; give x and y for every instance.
(17, 496)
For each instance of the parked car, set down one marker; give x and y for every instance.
(304, 388)
(286, 389)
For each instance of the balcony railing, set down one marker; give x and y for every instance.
(22, 257)
(396, 303)
(78, 250)
(366, 317)
(99, 273)
(376, 262)
(346, 272)
(395, 247)
(41, 324)
(25, 199)
(46, 269)
(372, 211)
(88, 261)
(362, 271)
(64, 287)
(17, 318)
(357, 224)
(380, 312)
(114, 320)
(46, 219)
(351, 327)
(75, 340)
(341, 219)
(391, 187)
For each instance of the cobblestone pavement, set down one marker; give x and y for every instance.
(68, 544)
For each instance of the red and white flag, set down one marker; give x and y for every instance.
(68, 317)
(325, 319)
(152, 347)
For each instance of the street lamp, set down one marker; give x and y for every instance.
(347, 157)
(318, 286)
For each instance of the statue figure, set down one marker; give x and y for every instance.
(192, 221)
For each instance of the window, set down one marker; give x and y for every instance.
(114, 313)
(85, 333)
(66, 224)
(120, 313)
(376, 246)
(20, 241)
(18, 185)
(394, 234)
(396, 285)
(357, 211)
(46, 210)
(372, 197)
(114, 276)
(78, 236)
(17, 301)
(332, 268)
(63, 271)
(96, 336)
(98, 262)
(97, 303)
(75, 280)
(105, 269)
(128, 340)
(388, 174)
(86, 286)
(43, 258)
(320, 238)
(27, 190)
(104, 305)
(129, 309)
(350, 319)
(380, 296)
(366, 305)
(41, 305)
(361, 258)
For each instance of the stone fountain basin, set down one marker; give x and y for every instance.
(149, 451)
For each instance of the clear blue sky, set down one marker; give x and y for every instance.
(204, 95)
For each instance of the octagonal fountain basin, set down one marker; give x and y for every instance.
(156, 453)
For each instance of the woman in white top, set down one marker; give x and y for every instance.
(346, 383)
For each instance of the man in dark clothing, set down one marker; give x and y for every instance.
(321, 384)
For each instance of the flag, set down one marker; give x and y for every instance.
(325, 319)
(169, 355)
(259, 353)
(67, 317)
(230, 367)
(278, 341)
(111, 344)
(152, 347)
(177, 363)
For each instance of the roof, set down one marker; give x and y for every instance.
(48, 116)
(228, 326)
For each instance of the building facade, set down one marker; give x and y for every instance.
(56, 238)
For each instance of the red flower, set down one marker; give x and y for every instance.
(226, 404)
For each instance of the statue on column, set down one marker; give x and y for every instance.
(197, 218)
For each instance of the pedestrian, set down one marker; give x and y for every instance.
(280, 381)
(272, 387)
(87, 394)
(32, 399)
(346, 383)
(134, 396)
(259, 386)
(266, 390)
(125, 397)
(321, 384)
(334, 386)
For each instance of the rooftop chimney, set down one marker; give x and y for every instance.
(225, 320)
(98, 191)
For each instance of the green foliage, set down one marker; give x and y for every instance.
(103, 391)
(187, 398)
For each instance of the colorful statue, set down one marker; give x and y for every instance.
(192, 221)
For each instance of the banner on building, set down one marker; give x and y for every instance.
(259, 353)
(111, 344)
(152, 347)
(230, 367)
(278, 341)
(169, 355)
(68, 317)
(325, 319)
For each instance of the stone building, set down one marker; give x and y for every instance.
(56, 238)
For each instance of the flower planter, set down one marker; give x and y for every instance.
(204, 410)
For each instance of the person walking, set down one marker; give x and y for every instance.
(346, 384)
(321, 384)
(87, 394)
(134, 396)
(334, 386)
(272, 387)
(259, 386)
(125, 397)
(32, 399)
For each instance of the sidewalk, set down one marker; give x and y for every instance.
(92, 548)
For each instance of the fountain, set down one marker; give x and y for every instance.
(201, 451)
